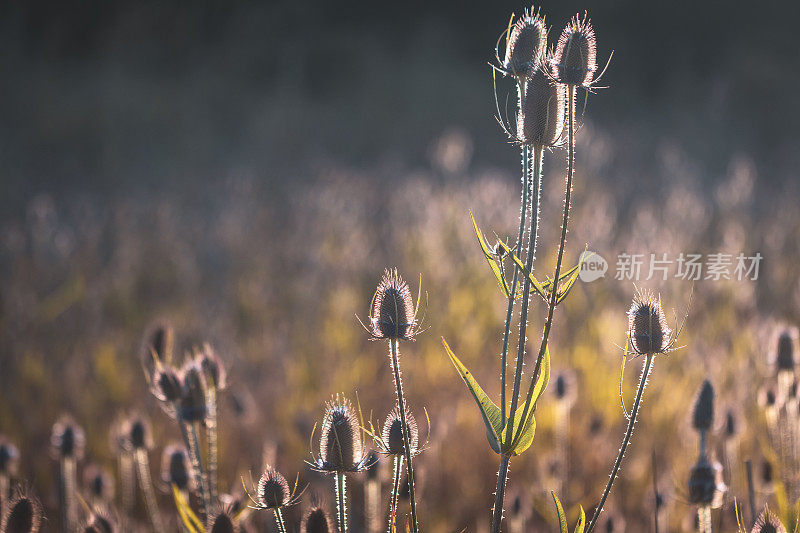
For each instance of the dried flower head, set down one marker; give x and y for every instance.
(703, 416)
(540, 121)
(393, 315)
(98, 482)
(768, 522)
(9, 458)
(23, 514)
(166, 384)
(273, 490)
(784, 350)
(575, 60)
(525, 45)
(392, 438)
(193, 393)
(648, 332)
(175, 467)
(136, 431)
(706, 487)
(317, 520)
(68, 438)
(222, 520)
(340, 446)
(212, 367)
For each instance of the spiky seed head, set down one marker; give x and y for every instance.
(393, 433)
(340, 438)
(98, 482)
(273, 489)
(223, 520)
(166, 384)
(703, 416)
(784, 350)
(157, 346)
(100, 522)
(767, 398)
(392, 315)
(540, 121)
(175, 466)
(68, 438)
(9, 457)
(647, 325)
(193, 393)
(23, 514)
(768, 522)
(526, 44)
(137, 432)
(317, 520)
(212, 367)
(575, 60)
(705, 483)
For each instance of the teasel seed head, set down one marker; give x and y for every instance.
(23, 514)
(340, 447)
(165, 384)
(98, 483)
(317, 520)
(706, 487)
(393, 315)
(703, 416)
(784, 350)
(540, 121)
(9, 457)
(768, 523)
(647, 325)
(525, 45)
(575, 60)
(393, 433)
(175, 467)
(222, 520)
(273, 490)
(193, 393)
(767, 397)
(137, 433)
(68, 438)
(212, 367)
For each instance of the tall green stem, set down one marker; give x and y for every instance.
(146, 484)
(341, 502)
(279, 520)
(193, 447)
(642, 383)
(397, 475)
(394, 345)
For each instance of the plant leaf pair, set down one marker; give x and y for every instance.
(562, 517)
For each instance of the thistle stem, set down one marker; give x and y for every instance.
(146, 484)
(394, 345)
(193, 446)
(67, 493)
(126, 472)
(396, 476)
(634, 411)
(704, 519)
(341, 502)
(279, 520)
(211, 435)
(500, 493)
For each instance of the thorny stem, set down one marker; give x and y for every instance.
(398, 470)
(500, 493)
(146, 484)
(279, 520)
(127, 479)
(704, 519)
(193, 446)
(634, 411)
(341, 502)
(394, 347)
(198, 453)
(67, 493)
(211, 434)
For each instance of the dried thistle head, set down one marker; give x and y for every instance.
(175, 467)
(273, 490)
(317, 520)
(540, 120)
(706, 487)
(222, 520)
(165, 384)
(136, 430)
(9, 458)
(575, 60)
(68, 438)
(340, 447)
(647, 325)
(193, 406)
(525, 45)
(98, 483)
(768, 522)
(393, 315)
(392, 438)
(23, 514)
(212, 367)
(784, 350)
(703, 416)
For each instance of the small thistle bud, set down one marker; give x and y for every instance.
(9, 458)
(340, 439)
(273, 490)
(392, 315)
(703, 416)
(23, 515)
(647, 325)
(393, 433)
(212, 367)
(175, 467)
(137, 433)
(193, 396)
(705, 484)
(68, 438)
(768, 523)
(784, 351)
(540, 120)
(166, 385)
(98, 482)
(575, 60)
(525, 45)
(317, 520)
(222, 521)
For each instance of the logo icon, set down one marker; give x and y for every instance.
(593, 266)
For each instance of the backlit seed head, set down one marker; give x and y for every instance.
(9, 458)
(98, 483)
(23, 514)
(273, 490)
(768, 523)
(703, 416)
(393, 315)
(647, 325)
(784, 350)
(175, 467)
(575, 60)
(166, 384)
(393, 433)
(340, 440)
(526, 44)
(222, 520)
(193, 393)
(705, 484)
(317, 520)
(136, 430)
(157, 346)
(540, 121)
(767, 398)
(68, 438)
(212, 366)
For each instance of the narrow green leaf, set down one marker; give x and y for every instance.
(490, 258)
(489, 411)
(189, 519)
(581, 521)
(537, 286)
(524, 418)
(562, 518)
